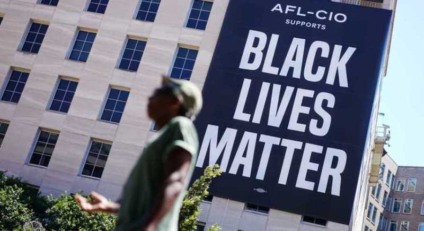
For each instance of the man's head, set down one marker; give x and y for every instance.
(175, 97)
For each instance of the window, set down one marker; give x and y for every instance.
(82, 46)
(407, 206)
(400, 185)
(421, 227)
(404, 226)
(1, 19)
(393, 226)
(366, 228)
(50, 2)
(373, 190)
(64, 94)
(3, 129)
(388, 203)
(148, 10)
(385, 195)
(374, 217)
(383, 223)
(132, 55)
(314, 220)
(184, 63)
(115, 105)
(199, 14)
(15, 86)
(43, 148)
(96, 159)
(422, 208)
(369, 212)
(200, 226)
(412, 183)
(378, 191)
(389, 178)
(256, 208)
(397, 203)
(208, 198)
(372, 213)
(98, 6)
(34, 37)
(381, 172)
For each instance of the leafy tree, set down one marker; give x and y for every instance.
(13, 213)
(65, 214)
(196, 193)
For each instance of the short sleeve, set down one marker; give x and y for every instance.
(181, 133)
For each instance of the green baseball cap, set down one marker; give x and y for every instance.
(190, 94)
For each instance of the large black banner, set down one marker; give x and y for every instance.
(287, 103)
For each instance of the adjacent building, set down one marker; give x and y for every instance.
(379, 196)
(405, 210)
(75, 76)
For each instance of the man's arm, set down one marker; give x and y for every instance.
(177, 165)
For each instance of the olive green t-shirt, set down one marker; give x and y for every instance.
(143, 185)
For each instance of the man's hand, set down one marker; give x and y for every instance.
(99, 203)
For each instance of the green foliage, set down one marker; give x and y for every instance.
(214, 228)
(13, 213)
(196, 193)
(65, 214)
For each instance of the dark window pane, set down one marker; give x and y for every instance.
(123, 95)
(105, 149)
(35, 159)
(107, 115)
(97, 172)
(88, 169)
(116, 117)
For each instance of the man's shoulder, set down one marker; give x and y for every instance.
(182, 122)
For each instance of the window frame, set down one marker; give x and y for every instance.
(3, 135)
(26, 35)
(315, 221)
(48, 4)
(35, 143)
(183, 68)
(87, 154)
(393, 205)
(6, 83)
(138, 9)
(401, 226)
(390, 225)
(74, 41)
(408, 182)
(411, 201)
(124, 48)
(256, 208)
(188, 20)
(89, 2)
(112, 87)
(400, 185)
(56, 88)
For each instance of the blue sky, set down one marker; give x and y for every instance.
(403, 88)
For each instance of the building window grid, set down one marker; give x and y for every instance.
(115, 105)
(385, 198)
(404, 226)
(314, 220)
(397, 204)
(64, 94)
(422, 208)
(3, 129)
(148, 10)
(43, 149)
(199, 14)
(392, 226)
(1, 19)
(382, 170)
(82, 46)
(411, 185)
(256, 208)
(407, 206)
(34, 37)
(132, 55)
(184, 63)
(97, 6)
(400, 185)
(49, 2)
(96, 159)
(15, 86)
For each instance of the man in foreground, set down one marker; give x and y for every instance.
(153, 193)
